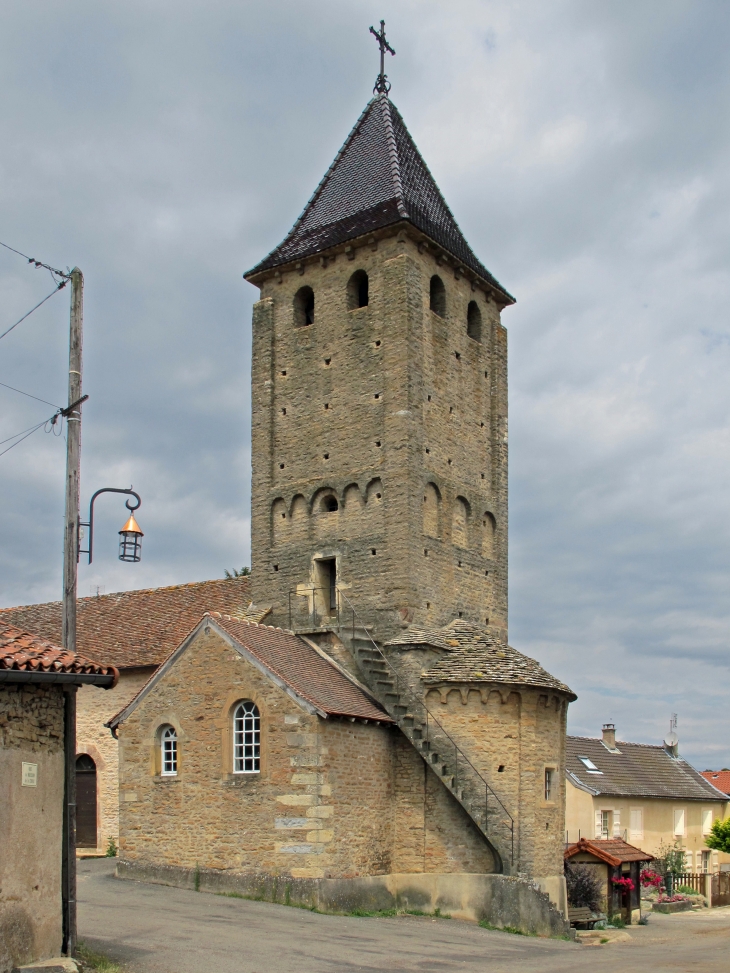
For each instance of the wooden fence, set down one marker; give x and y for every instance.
(715, 887)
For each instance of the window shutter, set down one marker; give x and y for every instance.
(598, 824)
(636, 822)
(617, 823)
(715, 861)
(678, 822)
(706, 820)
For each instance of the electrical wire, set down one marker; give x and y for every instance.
(23, 435)
(45, 401)
(38, 263)
(58, 288)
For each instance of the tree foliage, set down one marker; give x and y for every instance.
(584, 885)
(670, 860)
(244, 572)
(719, 836)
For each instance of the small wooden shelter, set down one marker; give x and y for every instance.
(618, 861)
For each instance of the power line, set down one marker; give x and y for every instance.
(38, 263)
(23, 435)
(45, 401)
(58, 288)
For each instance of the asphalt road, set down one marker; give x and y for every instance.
(156, 929)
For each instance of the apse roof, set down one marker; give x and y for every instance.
(378, 178)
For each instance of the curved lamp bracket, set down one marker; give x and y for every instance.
(130, 505)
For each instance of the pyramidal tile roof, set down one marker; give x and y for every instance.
(378, 178)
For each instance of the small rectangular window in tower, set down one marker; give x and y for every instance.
(548, 784)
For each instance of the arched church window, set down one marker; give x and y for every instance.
(246, 738)
(168, 752)
(358, 291)
(474, 321)
(438, 296)
(304, 307)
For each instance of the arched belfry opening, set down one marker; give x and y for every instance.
(437, 296)
(358, 291)
(474, 321)
(304, 307)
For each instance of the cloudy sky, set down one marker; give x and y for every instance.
(164, 147)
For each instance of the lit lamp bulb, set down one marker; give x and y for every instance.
(130, 541)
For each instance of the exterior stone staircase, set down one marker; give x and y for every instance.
(424, 731)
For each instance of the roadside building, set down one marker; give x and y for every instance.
(719, 779)
(647, 795)
(38, 687)
(134, 631)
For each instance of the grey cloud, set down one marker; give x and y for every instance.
(165, 148)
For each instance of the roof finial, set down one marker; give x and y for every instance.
(382, 85)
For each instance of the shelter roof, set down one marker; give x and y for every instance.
(719, 779)
(129, 629)
(635, 770)
(377, 179)
(476, 655)
(613, 851)
(23, 652)
(296, 664)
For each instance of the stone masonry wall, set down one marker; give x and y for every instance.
(321, 806)
(390, 409)
(94, 707)
(512, 737)
(31, 731)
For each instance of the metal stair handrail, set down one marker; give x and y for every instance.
(458, 752)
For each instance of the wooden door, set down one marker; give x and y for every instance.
(85, 802)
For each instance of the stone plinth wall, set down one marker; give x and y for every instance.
(31, 732)
(497, 899)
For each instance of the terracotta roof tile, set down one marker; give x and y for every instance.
(614, 851)
(719, 779)
(475, 655)
(377, 179)
(309, 672)
(635, 770)
(24, 652)
(137, 628)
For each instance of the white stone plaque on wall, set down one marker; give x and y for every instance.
(30, 775)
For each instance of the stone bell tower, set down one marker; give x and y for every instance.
(379, 393)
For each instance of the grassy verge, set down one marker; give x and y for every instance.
(94, 962)
(513, 929)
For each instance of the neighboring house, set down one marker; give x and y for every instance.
(719, 779)
(614, 859)
(38, 692)
(134, 631)
(644, 794)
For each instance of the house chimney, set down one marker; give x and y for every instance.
(609, 736)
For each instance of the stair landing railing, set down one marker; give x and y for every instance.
(431, 720)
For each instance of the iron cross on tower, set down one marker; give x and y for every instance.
(382, 84)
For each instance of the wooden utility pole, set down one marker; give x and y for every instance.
(73, 461)
(72, 415)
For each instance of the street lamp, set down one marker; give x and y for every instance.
(130, 536)
(130, 540)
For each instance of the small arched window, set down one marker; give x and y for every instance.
(168, 752)
(304, 307)
(246, 738)
(329, 504)
(474, 321)
(357, 291)
(438, 296)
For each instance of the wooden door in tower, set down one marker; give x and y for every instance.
(85, 802)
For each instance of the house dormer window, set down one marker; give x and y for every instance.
(589, 765)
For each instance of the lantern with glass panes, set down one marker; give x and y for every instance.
(130, 536)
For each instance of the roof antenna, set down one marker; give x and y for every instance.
(382, 85)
